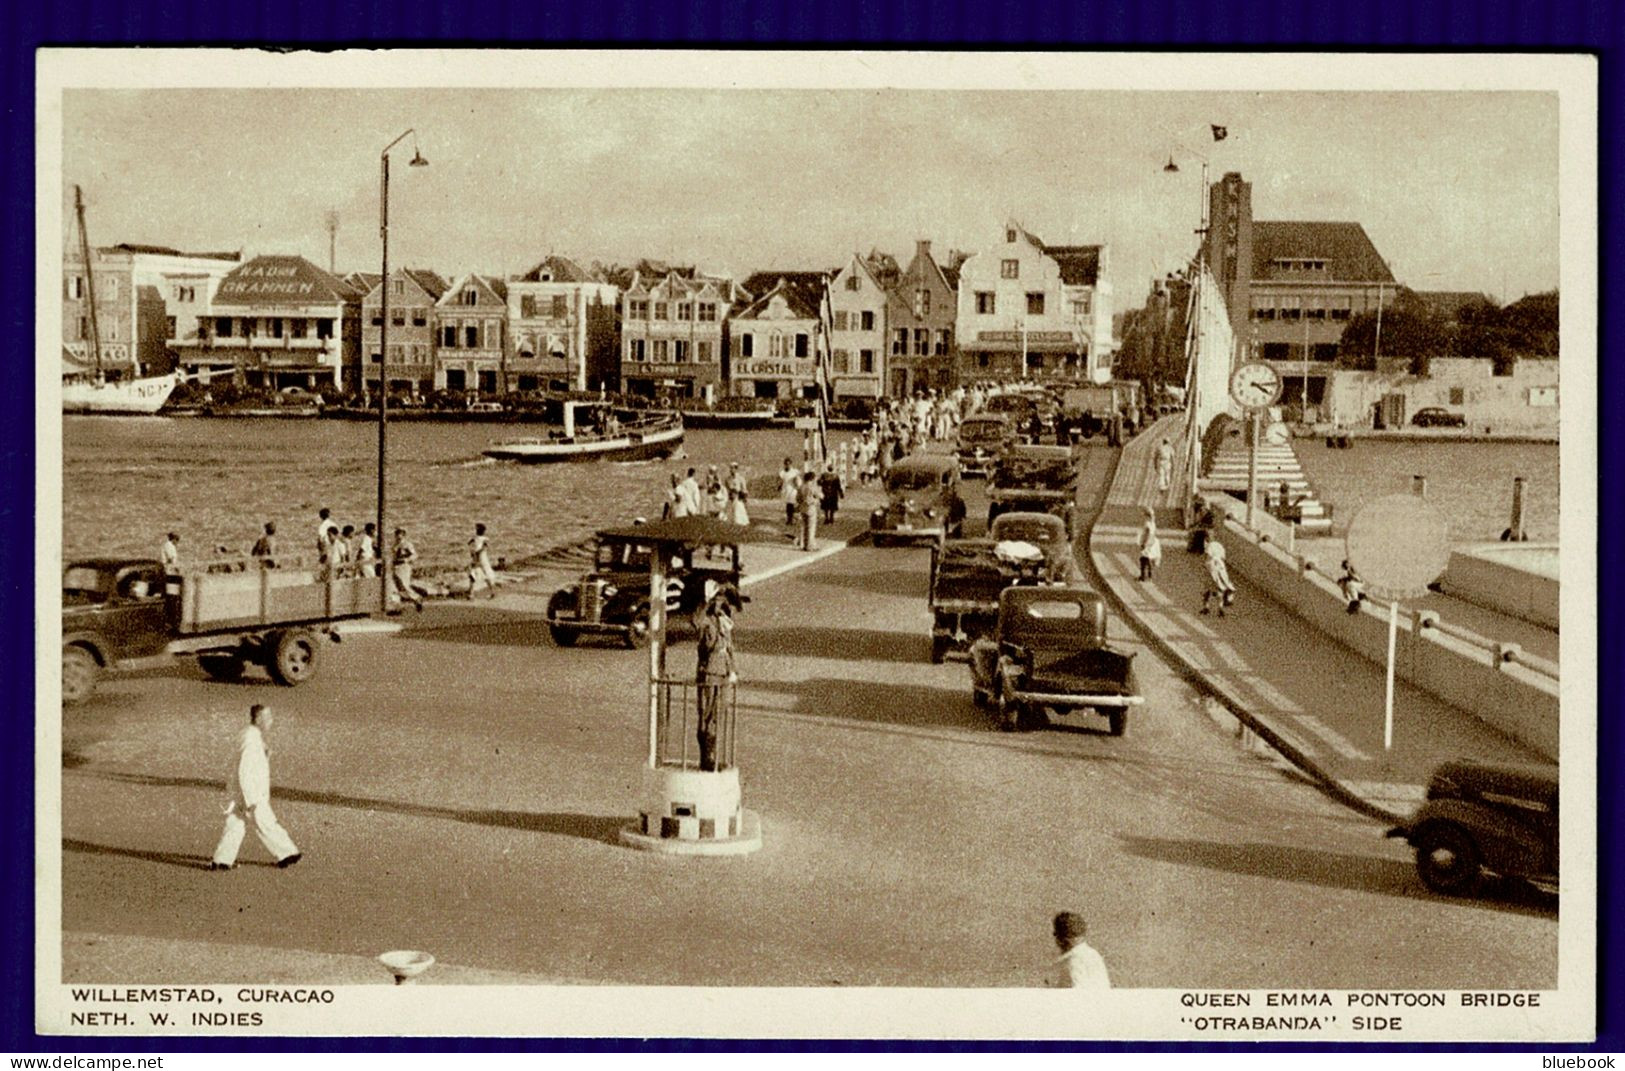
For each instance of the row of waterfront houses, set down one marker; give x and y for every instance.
(1017, 307)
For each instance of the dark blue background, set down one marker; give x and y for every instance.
(1386, 25)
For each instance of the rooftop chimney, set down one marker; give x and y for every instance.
(922, 247)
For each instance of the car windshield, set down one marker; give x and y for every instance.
(981, 431)
(1025, 531)
(623, 556)
(84, 582)
(912, 479)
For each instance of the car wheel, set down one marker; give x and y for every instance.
(979, 697)
(1447, 859)
(1010, 718)
(637, 633)
(293, 657)
(939, 649)
(1117, 721)
(563, 636)
(223, 667)
(79, 672)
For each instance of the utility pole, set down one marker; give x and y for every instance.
(331, 219)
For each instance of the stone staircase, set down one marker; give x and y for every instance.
(1277, 464)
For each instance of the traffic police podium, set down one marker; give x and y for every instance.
(682, 808)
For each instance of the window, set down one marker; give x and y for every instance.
(1341, 307)
(1277, 351)
(299, 328)
(561, 307)
(84, 328)
(1458, 395)
(637, 309)
(708, 312)
(324, 328)
(922, 342)
(801, 345)
(679, 351)
(398, 319)
(171, 327)
(942, 342)
(1081, 305)
(110, 287)
(448, 336)
(185, 293)
(1291, 308)
(249, 326)
(745, 345)
(1263, 306)
(527, 306)
(273, 326)
(1325, 351)
(985, 303)
(638, 350)
(899, 341)
(660, 350)
(376, 359)
(1316, 311)
(866, 361)
(420, 317)
(1010, 235)
(840, 320)
(471, 336)
(854, 283)
(983, 359)
(702, 352)
(922, 302)
(76, 287)
(868, 320)
(775, 345)
(685, 311)
(1035, 303)
(660, 310)
(1009, 269)
(841, 361)
(397, 287)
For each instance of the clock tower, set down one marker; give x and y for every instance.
(1229, 247)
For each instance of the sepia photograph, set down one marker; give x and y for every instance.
(846, 544)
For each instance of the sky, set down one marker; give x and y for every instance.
(1458, 190)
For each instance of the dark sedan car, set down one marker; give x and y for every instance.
(1479, 816)
(1434, 417)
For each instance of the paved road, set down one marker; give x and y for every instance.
(458, 788)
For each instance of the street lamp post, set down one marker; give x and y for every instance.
(385, 565)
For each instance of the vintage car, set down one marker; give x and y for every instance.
(1048, 657)
(1034, 479)
(1048, 533)
(1435, 417)
(967, 577)
(613, 599)
(923, 501)
(983, 439)
(1479, 816)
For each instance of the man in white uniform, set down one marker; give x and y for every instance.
(248, 798)
(479, 563)
(1082, 966)
(170, 554)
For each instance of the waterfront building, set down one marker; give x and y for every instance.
(920, 312)
(471, 337)
(774, 333)
(1291, 287)
(279, 321)
(1497, 398)
(673, 332)
(149, 300)
(857, 300)
(413, 294)
(556, 311)
(1030, 310)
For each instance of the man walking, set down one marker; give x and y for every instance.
(789, 484)
(405, 555)
(479, 563)
(807, 502)
(326, 531)
(1082, 966)
(248, 798)
(1165, 465)
(170, 554)
(1219, 586)
(830, 491)
(366, 550)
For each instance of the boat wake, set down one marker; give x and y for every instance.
(471, 462)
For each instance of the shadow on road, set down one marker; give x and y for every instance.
(603, 828)
(1336, 870)
(876, 703)
(867, 645)
(187, 862)
(904, 583)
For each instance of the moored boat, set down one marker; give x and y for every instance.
(725, 415)
(609, 439)
(138, 396)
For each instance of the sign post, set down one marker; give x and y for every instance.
(1397, 545)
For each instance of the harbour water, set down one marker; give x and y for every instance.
(126, 481)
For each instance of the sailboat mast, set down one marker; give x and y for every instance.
(90, 279)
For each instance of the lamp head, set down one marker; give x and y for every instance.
(1170, 167)
(417, 159)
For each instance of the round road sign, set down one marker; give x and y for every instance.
(1399, 545)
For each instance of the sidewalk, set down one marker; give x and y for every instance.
(1318, 702)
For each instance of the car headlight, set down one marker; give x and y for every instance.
(610, 590)
(930, 513)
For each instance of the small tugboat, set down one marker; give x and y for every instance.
(609, 438)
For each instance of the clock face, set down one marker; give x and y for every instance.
(1255, 385)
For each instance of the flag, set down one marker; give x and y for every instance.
(1219, 132)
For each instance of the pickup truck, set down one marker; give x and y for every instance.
(1034, 479)
(118, 611)
(967, 576)
(1048, 655)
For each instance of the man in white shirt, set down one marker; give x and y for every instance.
(689, 489)
(248, 798)
(170, 554)
(366, 551)
(325, 531)
(1083, 968)
(479, 563)
(789, 485)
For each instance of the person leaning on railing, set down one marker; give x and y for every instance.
(716, 666)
